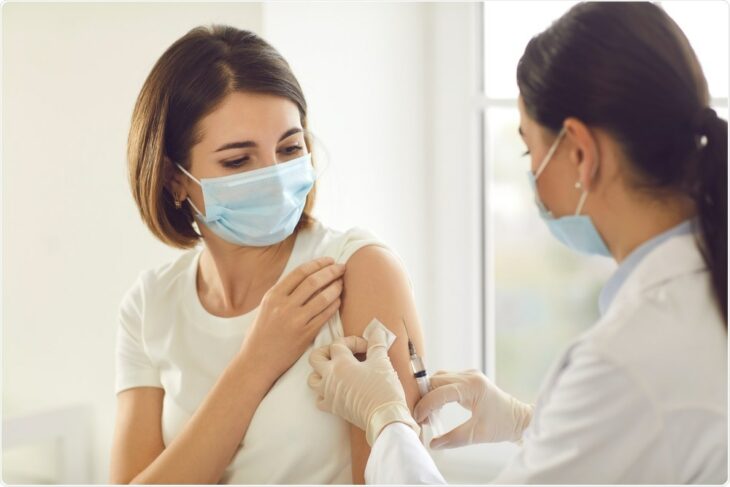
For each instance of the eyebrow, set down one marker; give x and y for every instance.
(250, 143)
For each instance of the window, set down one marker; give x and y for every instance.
(540, 295)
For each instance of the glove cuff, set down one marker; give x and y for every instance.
(522, 415)
(390, 412)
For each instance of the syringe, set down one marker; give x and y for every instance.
(424, 384)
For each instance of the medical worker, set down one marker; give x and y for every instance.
(627, 161)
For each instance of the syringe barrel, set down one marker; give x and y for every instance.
(423, 385)
(417, 366)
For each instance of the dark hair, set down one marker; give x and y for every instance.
(189, 81)
(628, 68)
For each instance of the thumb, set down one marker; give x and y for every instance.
(377, 337)
(356, 344)
(460, 436)
(442, 378)
(320, 359)
(341, 350)
(436, 399)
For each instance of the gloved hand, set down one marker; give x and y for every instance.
(367, 394)
(495, 415)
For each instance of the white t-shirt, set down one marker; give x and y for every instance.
(167, 339)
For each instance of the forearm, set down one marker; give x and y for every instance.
(207, 443)
(360, 451)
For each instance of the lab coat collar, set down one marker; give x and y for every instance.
(616, 281)
(673, 258)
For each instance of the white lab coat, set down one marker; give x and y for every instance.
(641, 397)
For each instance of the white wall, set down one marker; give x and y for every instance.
(362, 67)
(72, 240)
(390, 88)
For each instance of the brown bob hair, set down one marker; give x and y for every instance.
(188, 81)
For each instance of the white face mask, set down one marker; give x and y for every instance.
(256, 208)
(577, 232)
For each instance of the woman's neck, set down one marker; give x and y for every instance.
(232, 279)
(633, 219)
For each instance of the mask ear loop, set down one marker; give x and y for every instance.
(200, 213)
(319, 170)
(188, 174)
(581, 202)
(550, 153)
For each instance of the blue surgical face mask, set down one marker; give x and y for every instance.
(577, 232)
(256, 208)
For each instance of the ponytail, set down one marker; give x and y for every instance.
(628, 68)
(710, 196)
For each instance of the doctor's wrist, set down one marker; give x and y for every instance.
(386, 414)
(523, 416)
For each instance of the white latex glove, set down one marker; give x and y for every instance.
(367, 394)
(495, 415)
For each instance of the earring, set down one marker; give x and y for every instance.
(178, 203)
(578, 185)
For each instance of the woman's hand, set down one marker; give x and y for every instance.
(290, 316)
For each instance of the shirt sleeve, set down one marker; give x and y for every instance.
(352, 241)
(595, 425)
(133, 365)
(398, 457)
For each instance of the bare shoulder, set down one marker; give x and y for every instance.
(376, 286)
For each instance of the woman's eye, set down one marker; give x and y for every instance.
(292, 149)
(526, 153)
(236, 162)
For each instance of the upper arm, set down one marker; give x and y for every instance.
(137, 432)
(134, 368)
(376, 286)
(138, 429)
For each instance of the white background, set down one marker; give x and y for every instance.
(394, 96)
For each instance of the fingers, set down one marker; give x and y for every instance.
(322, 300)
(377, 343)
(460, 436)
(356, 344)
(435, 400)
(442, 378)
(310, 286)
(290, 282)
(320, 359)
(315, 381)
(315, 323)
(345, 348)
(323, 405)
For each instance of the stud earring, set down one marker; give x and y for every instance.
(578, 185)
